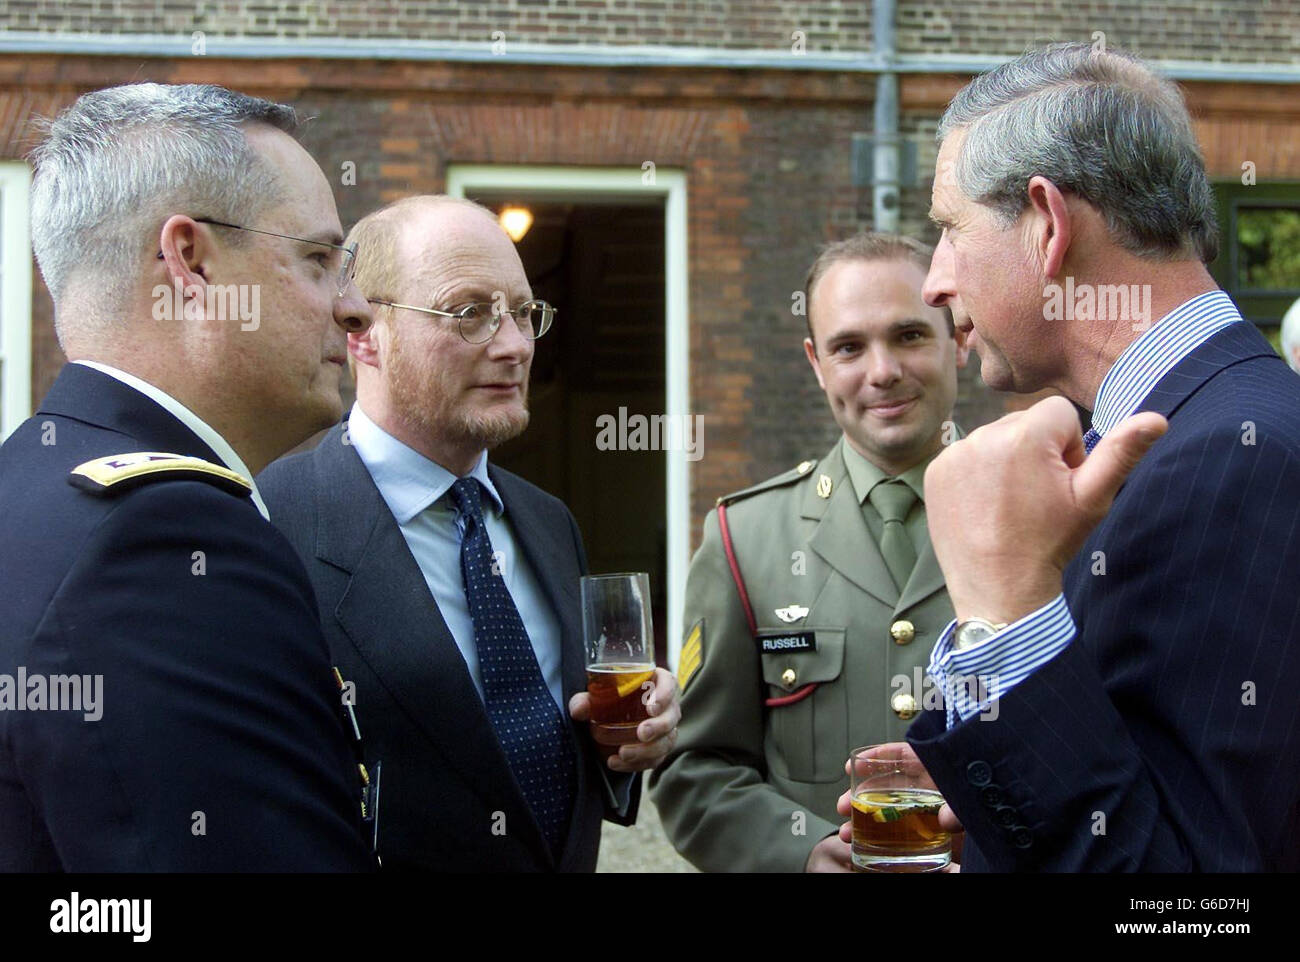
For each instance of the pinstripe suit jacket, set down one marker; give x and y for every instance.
(1166, 737)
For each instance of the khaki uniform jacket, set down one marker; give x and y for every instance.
(750, 787)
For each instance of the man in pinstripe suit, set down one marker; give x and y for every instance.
(1147, 713)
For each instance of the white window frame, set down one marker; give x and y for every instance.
(592, 185)
(15, 295)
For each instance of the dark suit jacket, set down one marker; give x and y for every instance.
(1166, 737)
(445, 783)
(217, 695)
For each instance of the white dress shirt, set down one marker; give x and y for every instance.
(417, 492)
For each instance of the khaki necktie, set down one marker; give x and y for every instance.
(894, 499)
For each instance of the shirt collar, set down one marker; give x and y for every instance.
(1156, 352)
(219, 445)
(407, 480)
(865, 475)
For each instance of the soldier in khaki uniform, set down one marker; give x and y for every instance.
(846, 596)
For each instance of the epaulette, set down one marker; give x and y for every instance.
(122, 472)
(789, 477)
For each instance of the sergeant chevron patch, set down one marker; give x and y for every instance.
(692, 656)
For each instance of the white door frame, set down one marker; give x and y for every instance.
(15, 295)
(593, 184)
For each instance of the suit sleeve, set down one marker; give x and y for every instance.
(218, 745)
(1164, 738)
(716, 807)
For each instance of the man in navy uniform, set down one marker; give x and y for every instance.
(166, 699)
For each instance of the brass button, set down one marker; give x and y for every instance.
(902, 632)
(904, 705)
(788, 678)
(805, 466)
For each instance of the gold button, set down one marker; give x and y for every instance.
(805, 466)
(902, 631)
(788, 678)
(904, 705)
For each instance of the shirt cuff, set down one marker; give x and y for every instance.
(972, 680)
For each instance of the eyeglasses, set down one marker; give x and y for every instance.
(478, 323)
(346, 270)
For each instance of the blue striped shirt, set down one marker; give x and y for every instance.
(972, 680)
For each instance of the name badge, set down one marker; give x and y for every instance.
(793, 641)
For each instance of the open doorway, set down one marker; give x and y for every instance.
(618, 489)
(602, 265)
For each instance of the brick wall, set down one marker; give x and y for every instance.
(1246, 31)
(766, 155)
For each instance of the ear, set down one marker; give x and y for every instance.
(1051, 228)
(963, 346)
(184, 255)
(365, 347)
(810, 352)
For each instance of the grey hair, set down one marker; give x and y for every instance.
(117, 162)
(1099, 124)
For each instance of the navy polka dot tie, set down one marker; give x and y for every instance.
(527, 721)
(1090, 440)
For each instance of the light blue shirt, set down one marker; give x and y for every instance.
(972, 679)
(417, 492)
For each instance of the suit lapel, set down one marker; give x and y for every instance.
(842, 538)
(393, 622)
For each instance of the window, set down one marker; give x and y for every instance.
(15, 297)
(1259, 250)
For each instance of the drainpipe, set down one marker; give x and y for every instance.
(885, 200)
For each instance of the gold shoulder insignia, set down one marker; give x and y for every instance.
(122, 472)
(691, 656)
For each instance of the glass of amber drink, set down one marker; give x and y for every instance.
(895, 812)
(620, 655)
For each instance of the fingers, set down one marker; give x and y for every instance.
(665, 692)
(658, 734)
(1098, 479)
(580, 707)
(643, 756)
(948, 820)
(844, 805)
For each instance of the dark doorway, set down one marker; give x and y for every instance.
(602, 266)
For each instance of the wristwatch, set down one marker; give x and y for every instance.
(972, 631)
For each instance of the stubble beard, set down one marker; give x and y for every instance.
(420, 397)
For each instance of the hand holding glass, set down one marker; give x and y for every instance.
(620, 655)
(895, 812)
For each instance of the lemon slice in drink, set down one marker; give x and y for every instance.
(634, 682)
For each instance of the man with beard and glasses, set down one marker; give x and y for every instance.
(448, 588)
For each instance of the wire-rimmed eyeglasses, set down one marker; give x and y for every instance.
(479, 322)
(346, 270)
